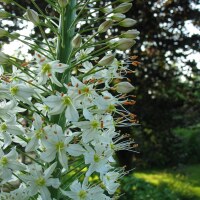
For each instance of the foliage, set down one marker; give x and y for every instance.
(60, 107)
(183, 184)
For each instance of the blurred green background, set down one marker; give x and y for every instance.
(167, 89)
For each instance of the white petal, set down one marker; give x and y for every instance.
(75, 150)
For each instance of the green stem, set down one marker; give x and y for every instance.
(64, 48)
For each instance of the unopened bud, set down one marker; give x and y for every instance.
(3, 58)
(106, 10)
(63, 3)
(128, 22)
(106, 60)
(123, 87)
(118, 17)
(32, 16)
(130, 34)
(4, 14)
(123, 8)
(124, 44)
(105, 26)
(76, 41)
(3, 33)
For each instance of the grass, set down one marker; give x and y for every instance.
(185, 181)
(179, 184)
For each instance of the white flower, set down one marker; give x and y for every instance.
(8, 164)
(37, 134)
(82, 94)
(7, 109)
(61, 103)
(58, 144)
(84, 192)
(49, 69)
(22, 193)
(22, 92)
(39, 181)
(93, 128)
(109, 180)
(84, 53)
(98, 158)
(7, 129)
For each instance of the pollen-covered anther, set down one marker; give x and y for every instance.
(76, 85)
(79, 91)
(102, 125)
(106, 97)
(130, 72)
(92, 80)
(42, 60)
(24, 64)
(85, 82)
(49, 74)
(62, 94)
(133, 57)
(69, 84)
(127, 103)
(135, 63)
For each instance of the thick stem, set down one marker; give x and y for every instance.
(64, 48)
(66, 28)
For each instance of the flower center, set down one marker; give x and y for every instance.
(39, 133)
(82, 194)
(3, 127)
(66, 101)
(85, 90)
(40, 181)
(46, 68)
(4, 161)
(94, 124)
(14, 90)
(96, 158)
(60, 146)
(111, 108)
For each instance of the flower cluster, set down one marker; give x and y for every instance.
(62, 116)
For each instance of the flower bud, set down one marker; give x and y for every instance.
(3, 33)
(32, 16)
(128, 22)
(3, 58)
(76, 41)
(123, 87)
(106, 60)
(118, 17)
(4, 14)
(106, 10)
(123, 8)
(105, 26)
(124, 44)
(63, 3)
(130, 34)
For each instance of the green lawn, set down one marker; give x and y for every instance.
(179, 184)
